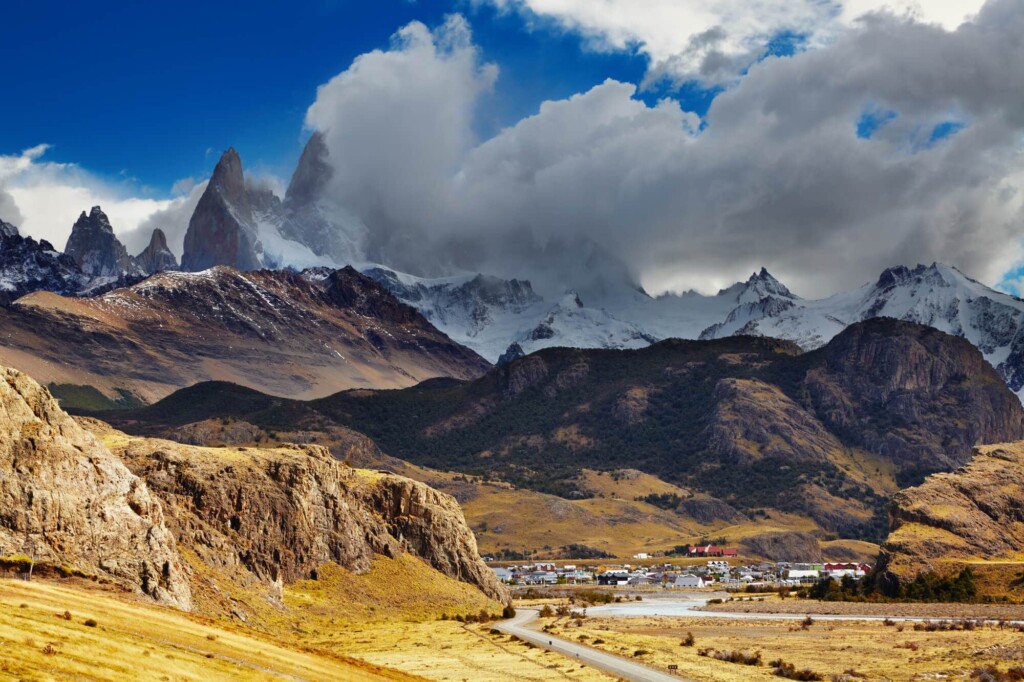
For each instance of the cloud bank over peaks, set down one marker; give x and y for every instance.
(713, 42)
(781, 172)
(398, 123)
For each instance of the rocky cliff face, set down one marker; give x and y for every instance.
(95, 248)
(911, 393)
(275, 515)
(156, 517)
(976, 512)
(157, 257)
(221, 230)
(27, 265)
(69, 502)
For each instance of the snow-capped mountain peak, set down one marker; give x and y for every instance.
(759, 286)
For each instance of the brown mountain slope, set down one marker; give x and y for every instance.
(973, 516)
(282, 333)
(748, 422)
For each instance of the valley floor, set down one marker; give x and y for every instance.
(848, 650)
(801, 607)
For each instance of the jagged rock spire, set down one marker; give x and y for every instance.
(157, 257)
(222, 230)
(94, 247)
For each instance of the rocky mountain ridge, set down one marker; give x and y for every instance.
(937, 295)
(246, 226)
(279, 332)
(263, 517)
(157, 256)
(27, 265)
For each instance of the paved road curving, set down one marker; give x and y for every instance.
(609, 663)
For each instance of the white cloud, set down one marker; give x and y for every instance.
(400, 121)
(776, 176)
(9, 211)
(48, 197)
(714, 41)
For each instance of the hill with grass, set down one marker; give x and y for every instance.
(971, 518)
(748, 426)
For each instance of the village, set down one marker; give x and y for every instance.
(717, 572)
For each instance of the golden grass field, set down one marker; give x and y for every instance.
(384, 625)
(849, 651)
(43, 636)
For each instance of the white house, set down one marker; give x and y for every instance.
(689, 581)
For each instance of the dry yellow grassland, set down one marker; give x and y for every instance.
(391, 617)
(341, 627)
(44, 635)
(847, 649)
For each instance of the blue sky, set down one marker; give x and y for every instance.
(824, 147)
(144, 89)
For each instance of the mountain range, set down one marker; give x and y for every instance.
(749, 425)
(240, 224)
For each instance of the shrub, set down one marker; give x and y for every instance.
(90, 623)
(508, 612)
(806, 623)
(66, 615)
(547, 612)
(49, 650)
(688, 640)
(790, 672)
(640, 652)
(991, 673)
(715, 601)
(739, 657)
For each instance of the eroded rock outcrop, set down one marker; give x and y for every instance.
(67, 501)
(273, 516)
(974, 513)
